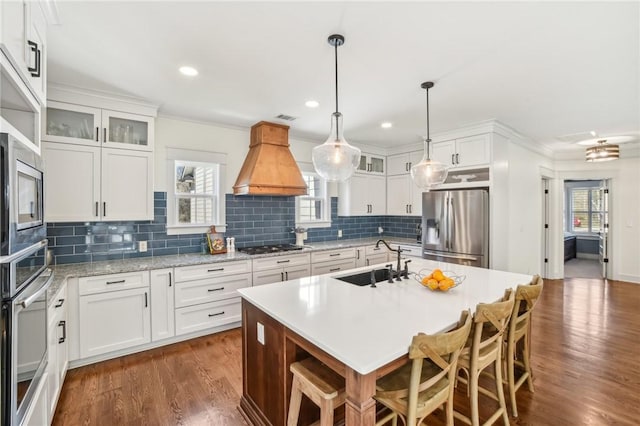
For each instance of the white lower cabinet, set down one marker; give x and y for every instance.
(207, 315)
(360, 257)
(111, 320)
(329, 261)
(206, 296)
(268, 270)
(374, 259)
(162, 304)
(58, 348)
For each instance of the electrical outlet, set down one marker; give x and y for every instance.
(260, 333)
(380, 230)
(339, 233)
(142, 246)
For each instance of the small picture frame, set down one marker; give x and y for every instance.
(215, 240)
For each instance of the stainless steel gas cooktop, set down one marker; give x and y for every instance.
(269, 249)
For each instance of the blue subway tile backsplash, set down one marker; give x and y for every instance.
(252, 220)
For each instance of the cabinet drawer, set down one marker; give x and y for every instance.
(330, 255)
(412, 251)
(373, 250)
(207, 315)
(329, 267)
(104, 283)
(210, 290)
(274, 262)
(377, 258)
(197, 272)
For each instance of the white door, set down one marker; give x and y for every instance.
(127, 185)
(415, 208)
(444, 152)
(359, 203)
(398, 195)
(72, 182)
(414, 158)
(294, 272)
(162, 304)
(473, 150)
(603, 234)
(115, 320)
(37, 50)
(127, 131)
(69, 123)
(13, 20)
(268, 277)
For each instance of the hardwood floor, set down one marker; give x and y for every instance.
(585, 338)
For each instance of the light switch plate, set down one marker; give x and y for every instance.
(260, 333)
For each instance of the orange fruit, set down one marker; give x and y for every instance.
(437, 275)
(446, 284)
(432, 284)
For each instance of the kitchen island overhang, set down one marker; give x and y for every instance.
(360, 332)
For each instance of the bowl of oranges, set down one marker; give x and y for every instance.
(440, 281)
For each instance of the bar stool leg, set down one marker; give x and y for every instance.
(503, 405)
(511, 379)
(326, 412)
(294, 403)
(527, 364)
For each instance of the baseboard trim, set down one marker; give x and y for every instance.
(635, 279)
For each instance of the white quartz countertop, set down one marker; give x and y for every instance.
(365, 327)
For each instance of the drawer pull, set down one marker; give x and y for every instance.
(215, 289)
(215, 315)
(283, 261)
(334, 254)
(60, 303)
(116, 282)
(334, 269)
(215, 270)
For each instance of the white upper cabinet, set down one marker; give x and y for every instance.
(84, 125)
(404, 198)
(362, 195)
(371, 164)
(70, 123)
(463, 152)
(400, 164)
(23, 32)
(90, 183)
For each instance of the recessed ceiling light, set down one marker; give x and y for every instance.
(593, 133)
(386, 125)
(312, 104)
(189, 71)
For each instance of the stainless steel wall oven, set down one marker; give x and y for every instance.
(25, 279)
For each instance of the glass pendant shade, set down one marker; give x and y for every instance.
(428, 173)
(602, 152)
(335, 160)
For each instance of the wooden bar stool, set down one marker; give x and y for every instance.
(320, 384)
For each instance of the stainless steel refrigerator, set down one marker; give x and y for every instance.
(455, 226)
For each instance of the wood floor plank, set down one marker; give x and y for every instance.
(585, 348)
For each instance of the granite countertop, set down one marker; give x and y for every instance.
(62, 272)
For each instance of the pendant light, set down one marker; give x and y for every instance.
(603, 152)
(336, 160)
(428, 173)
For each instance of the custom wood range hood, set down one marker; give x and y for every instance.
(269, 168)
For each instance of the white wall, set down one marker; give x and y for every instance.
(624, 211)
(176, 133)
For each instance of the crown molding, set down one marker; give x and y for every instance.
(99, 99)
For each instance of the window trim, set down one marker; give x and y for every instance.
(219, 160)
(307, 169)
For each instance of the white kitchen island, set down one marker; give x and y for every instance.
(360, 332)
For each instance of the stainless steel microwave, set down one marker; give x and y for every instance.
(22, 198)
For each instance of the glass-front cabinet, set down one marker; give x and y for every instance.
(370, 163)
(78, 124)
(124, 130)
(70, 123)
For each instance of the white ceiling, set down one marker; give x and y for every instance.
(546, 69)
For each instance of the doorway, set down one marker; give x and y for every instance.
(586, 228)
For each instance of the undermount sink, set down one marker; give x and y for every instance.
(364, 278)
